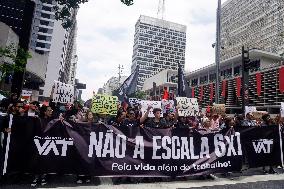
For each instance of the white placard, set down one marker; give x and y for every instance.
(168, 105)
(187, 106)
(282, 109)
(63, 93)
(134, 101)
(250, 109)
(27, 93)
(154, 104)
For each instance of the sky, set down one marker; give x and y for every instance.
(106, 28)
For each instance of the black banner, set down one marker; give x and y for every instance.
(103, 150)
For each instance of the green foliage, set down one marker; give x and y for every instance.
(139, 94)
(19, 58)
(64, 9)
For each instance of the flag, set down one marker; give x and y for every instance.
(183, 89)
(129, 85)
(166, 94)
(258, 83)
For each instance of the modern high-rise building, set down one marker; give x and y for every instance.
(158, 45)
(255, 24)
(18, 16)
(62, 60)
(42, 28)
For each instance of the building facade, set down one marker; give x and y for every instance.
(158, 45)
(62, 59)
(167, 79)
(256, 24)
(266, 66)
(42, 28)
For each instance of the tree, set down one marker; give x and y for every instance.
(139, 95)
(64, 9)
(17, 56)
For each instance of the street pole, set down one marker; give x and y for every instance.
(217, 51)
(245, 78)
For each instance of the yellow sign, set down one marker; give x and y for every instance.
(104, 104)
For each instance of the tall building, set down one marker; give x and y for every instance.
(158, 45)
(42, 28)
(257, 24)
(69, 55)
(18, 15)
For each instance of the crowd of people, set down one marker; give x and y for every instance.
(130, 116)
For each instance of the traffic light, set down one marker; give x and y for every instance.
(245, 60)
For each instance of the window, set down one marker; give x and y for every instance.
(43, 30)
(47, 8)
(45, 15)
(43, 22)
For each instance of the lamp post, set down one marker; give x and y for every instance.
(218, 50)
(120, 70)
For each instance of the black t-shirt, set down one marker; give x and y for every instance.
(151, 123)
(182, 125)
(131, 123)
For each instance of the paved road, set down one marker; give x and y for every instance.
(252, 178)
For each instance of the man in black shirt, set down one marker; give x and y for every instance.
(157, 121)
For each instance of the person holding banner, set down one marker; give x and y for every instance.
(249, 121)
(119, 119)
(156, 122)
(265, 123)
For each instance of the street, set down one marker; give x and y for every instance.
(252, 178)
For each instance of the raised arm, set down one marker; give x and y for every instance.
(145, 116)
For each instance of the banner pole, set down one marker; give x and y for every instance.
(7, 146)
(281, 146)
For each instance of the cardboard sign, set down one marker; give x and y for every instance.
(134, 102)
(27, 93)
(154, 104)
(187, 106)
(219, 109)
(104, 104)
(63, 93)
(282, 109)
(168, 105)
(250, 109)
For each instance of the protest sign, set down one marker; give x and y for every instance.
(134, 102)
(27, 93)
(63, 93)
(168, 105)
(154, 104)
(187, 106)
(104, 104)
(250, 109)
(219, 109)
